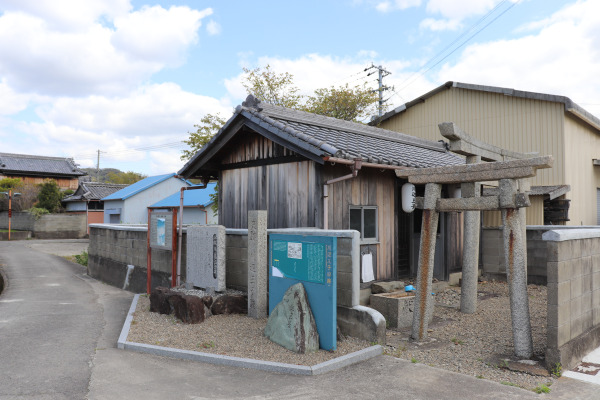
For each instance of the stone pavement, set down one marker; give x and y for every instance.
(59, 331)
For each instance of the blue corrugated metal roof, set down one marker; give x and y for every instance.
(138, 187)
(191, 198)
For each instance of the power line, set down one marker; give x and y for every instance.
(410, 79)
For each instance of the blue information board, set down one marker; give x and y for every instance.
(310, 260)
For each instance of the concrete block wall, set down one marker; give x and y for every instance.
(50, 226)
(348, 252)
(113, 247)
(573, 265)
(492, 257)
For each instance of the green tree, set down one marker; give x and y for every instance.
(271, 87)
(126, 178)
(49, 197)
(347, 103)
(205, 130)
(7, 184)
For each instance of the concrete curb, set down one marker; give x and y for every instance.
(216, 359)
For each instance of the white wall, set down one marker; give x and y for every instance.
(135, 209)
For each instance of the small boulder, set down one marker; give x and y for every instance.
(190, 309)
(292, 324)
(387, 287)
(230, 304)
(159, 300)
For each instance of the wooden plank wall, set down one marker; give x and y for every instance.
(63, 183)
(290, 193)
(370, 188)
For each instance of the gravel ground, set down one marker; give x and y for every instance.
(232, 335)
(471, 344)
(476, 344)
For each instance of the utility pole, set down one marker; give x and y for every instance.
(382, 74)
(98, 167)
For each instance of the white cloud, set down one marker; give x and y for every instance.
(562, 58)
(66, 15)
(314, 71)
(151, 115)
(391, 5)
(440, 24)
(460, 9)
(11, 102)
(155, 34)
(213, 28)
(96, 58)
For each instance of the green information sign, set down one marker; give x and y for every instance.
(310, 260)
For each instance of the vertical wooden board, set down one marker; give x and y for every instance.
(364, 190)
(338, 210)
(263, 189)
(251, 203)
(347, 193)
(381, 254)
(317, 171)
(310, 194)
(272, 196)
(291, 178)
(302, 193)
(373, 184)
(355, 192)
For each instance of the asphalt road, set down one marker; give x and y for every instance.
(59, 329)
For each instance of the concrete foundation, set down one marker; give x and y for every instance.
(398, 308)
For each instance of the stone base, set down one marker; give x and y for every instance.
(571, 353)
(397, 308)
(362, 322)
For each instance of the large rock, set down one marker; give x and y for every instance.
(292, 324)
(230, 304)
(159, 300)
(387, 287)
(191, 309)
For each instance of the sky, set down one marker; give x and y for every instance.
(130, 78)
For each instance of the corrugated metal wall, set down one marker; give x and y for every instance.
(509, 122)
(581, 147)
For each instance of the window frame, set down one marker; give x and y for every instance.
(363, 240)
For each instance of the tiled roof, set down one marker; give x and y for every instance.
(94, 191)
(23, 164)
(191, 198)
(322, 136)
(138, 187)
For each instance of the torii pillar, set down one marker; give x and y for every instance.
(510, 202)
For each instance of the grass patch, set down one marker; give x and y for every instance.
(413, 360)
(542, 389)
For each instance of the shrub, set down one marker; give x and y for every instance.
(38, 212)
(49, 196)
(82, 258)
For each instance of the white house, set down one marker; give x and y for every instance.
(130, 205)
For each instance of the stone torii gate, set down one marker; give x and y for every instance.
(513, 188)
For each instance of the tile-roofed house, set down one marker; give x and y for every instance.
(282, 160)
(130, 204)
(196, 205)
(35, 169)
(87, 199)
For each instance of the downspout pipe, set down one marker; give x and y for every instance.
(180, 230)
(356, 166)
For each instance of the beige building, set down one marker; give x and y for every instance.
(527, 122)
